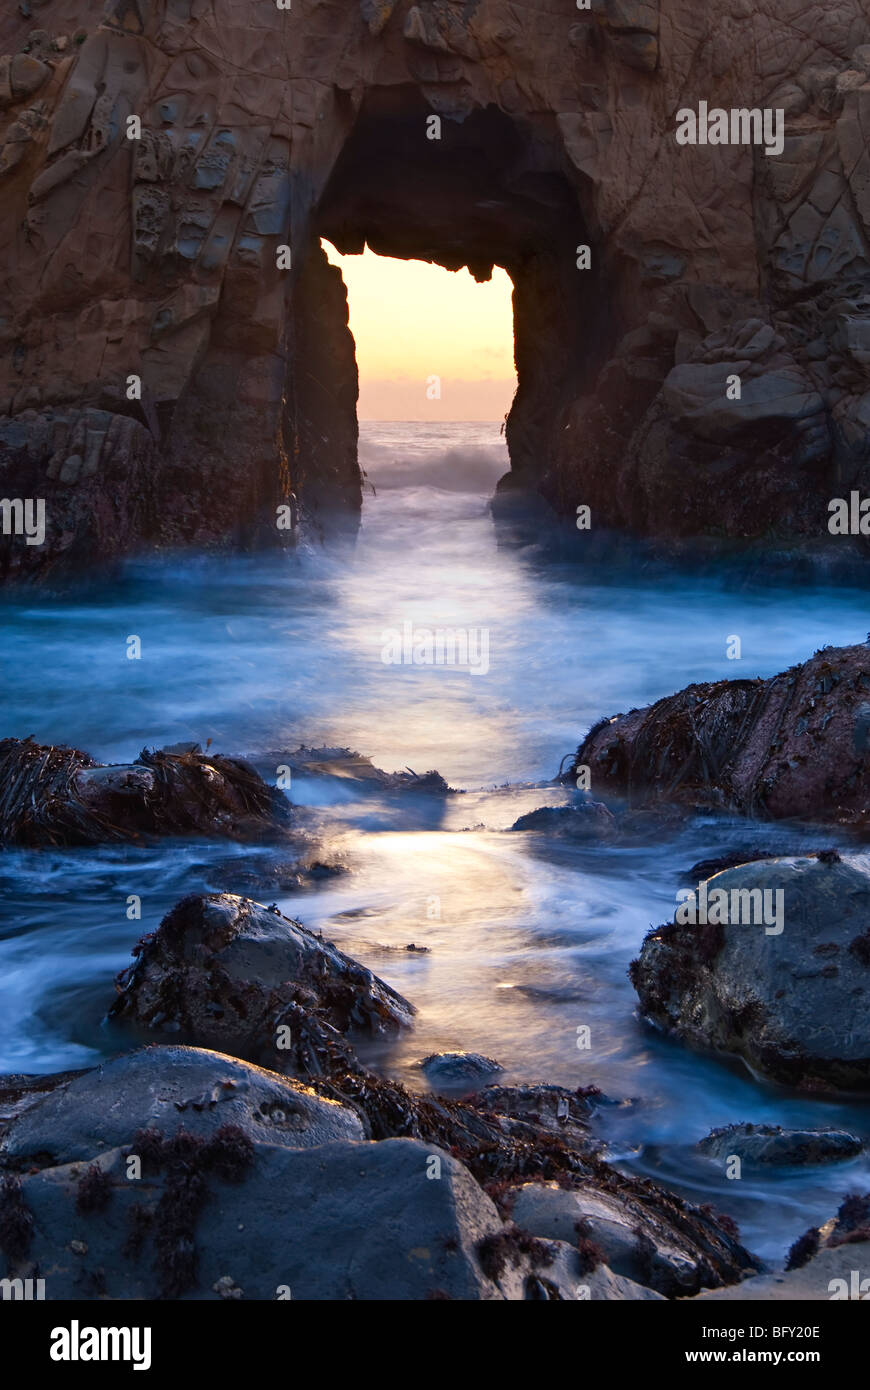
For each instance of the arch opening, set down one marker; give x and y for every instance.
(487, 192)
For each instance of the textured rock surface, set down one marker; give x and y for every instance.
(225, 972)
(458, 1069)
(157, 257)
(60, 796)
(172, 1088)
(633, 1241)
(794, 745)
(792, 1003)
(771, 1144)
(339, 1221)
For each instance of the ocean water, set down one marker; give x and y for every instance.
(529, 939)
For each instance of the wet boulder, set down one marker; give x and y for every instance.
(458, 1069)
(587, 820)
(509, 1137)
(771, 1144)
(61, 796)
(170, 1089)
(796, 745)
(783, 982)
(225, 972)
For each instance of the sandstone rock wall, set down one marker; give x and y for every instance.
(262, 127)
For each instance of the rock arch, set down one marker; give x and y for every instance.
(156, 257)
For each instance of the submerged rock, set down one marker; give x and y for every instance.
(358, 770)
(226, 972)
(588, 820)
(459, 1068)
(60, 796)
(794, 745)
(771, 1144)
(789, 997)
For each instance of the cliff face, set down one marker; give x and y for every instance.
(158, 258)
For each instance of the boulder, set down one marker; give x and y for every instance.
(794, 745)
(225, 972)
(783, 982)
(588, 820)
(342, 1220)
(458, 1069)
(171, 1089)
(630, 1236)
(60, 796)
(771, 1144)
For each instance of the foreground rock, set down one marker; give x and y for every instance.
(226, 968)
(629, 1234)
(170, 1089)
(179, 1173)
(225, 972)
(789, 997)
(60, 796)
(794, 745)
(771, 1144)
(830, 1262)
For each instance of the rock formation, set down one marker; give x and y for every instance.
(169, 374)
(60, 796)
(795, 745)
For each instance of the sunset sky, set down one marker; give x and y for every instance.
(412, 321)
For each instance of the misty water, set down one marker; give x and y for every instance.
(529, 939)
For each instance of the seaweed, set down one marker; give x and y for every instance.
(16, 1219)
(803, 1249)
(94, 1190)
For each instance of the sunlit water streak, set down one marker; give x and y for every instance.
(533, 938)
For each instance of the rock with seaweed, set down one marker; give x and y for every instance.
(359, 772)
(75, 1115)
(225, 972)
(248, 1177)
(235, 975)
(828, 1262)
(52, 795)
(795, 745)
(773, 1145)
(216, 1218)
(789, 997)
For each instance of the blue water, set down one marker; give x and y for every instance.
(529, 940)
